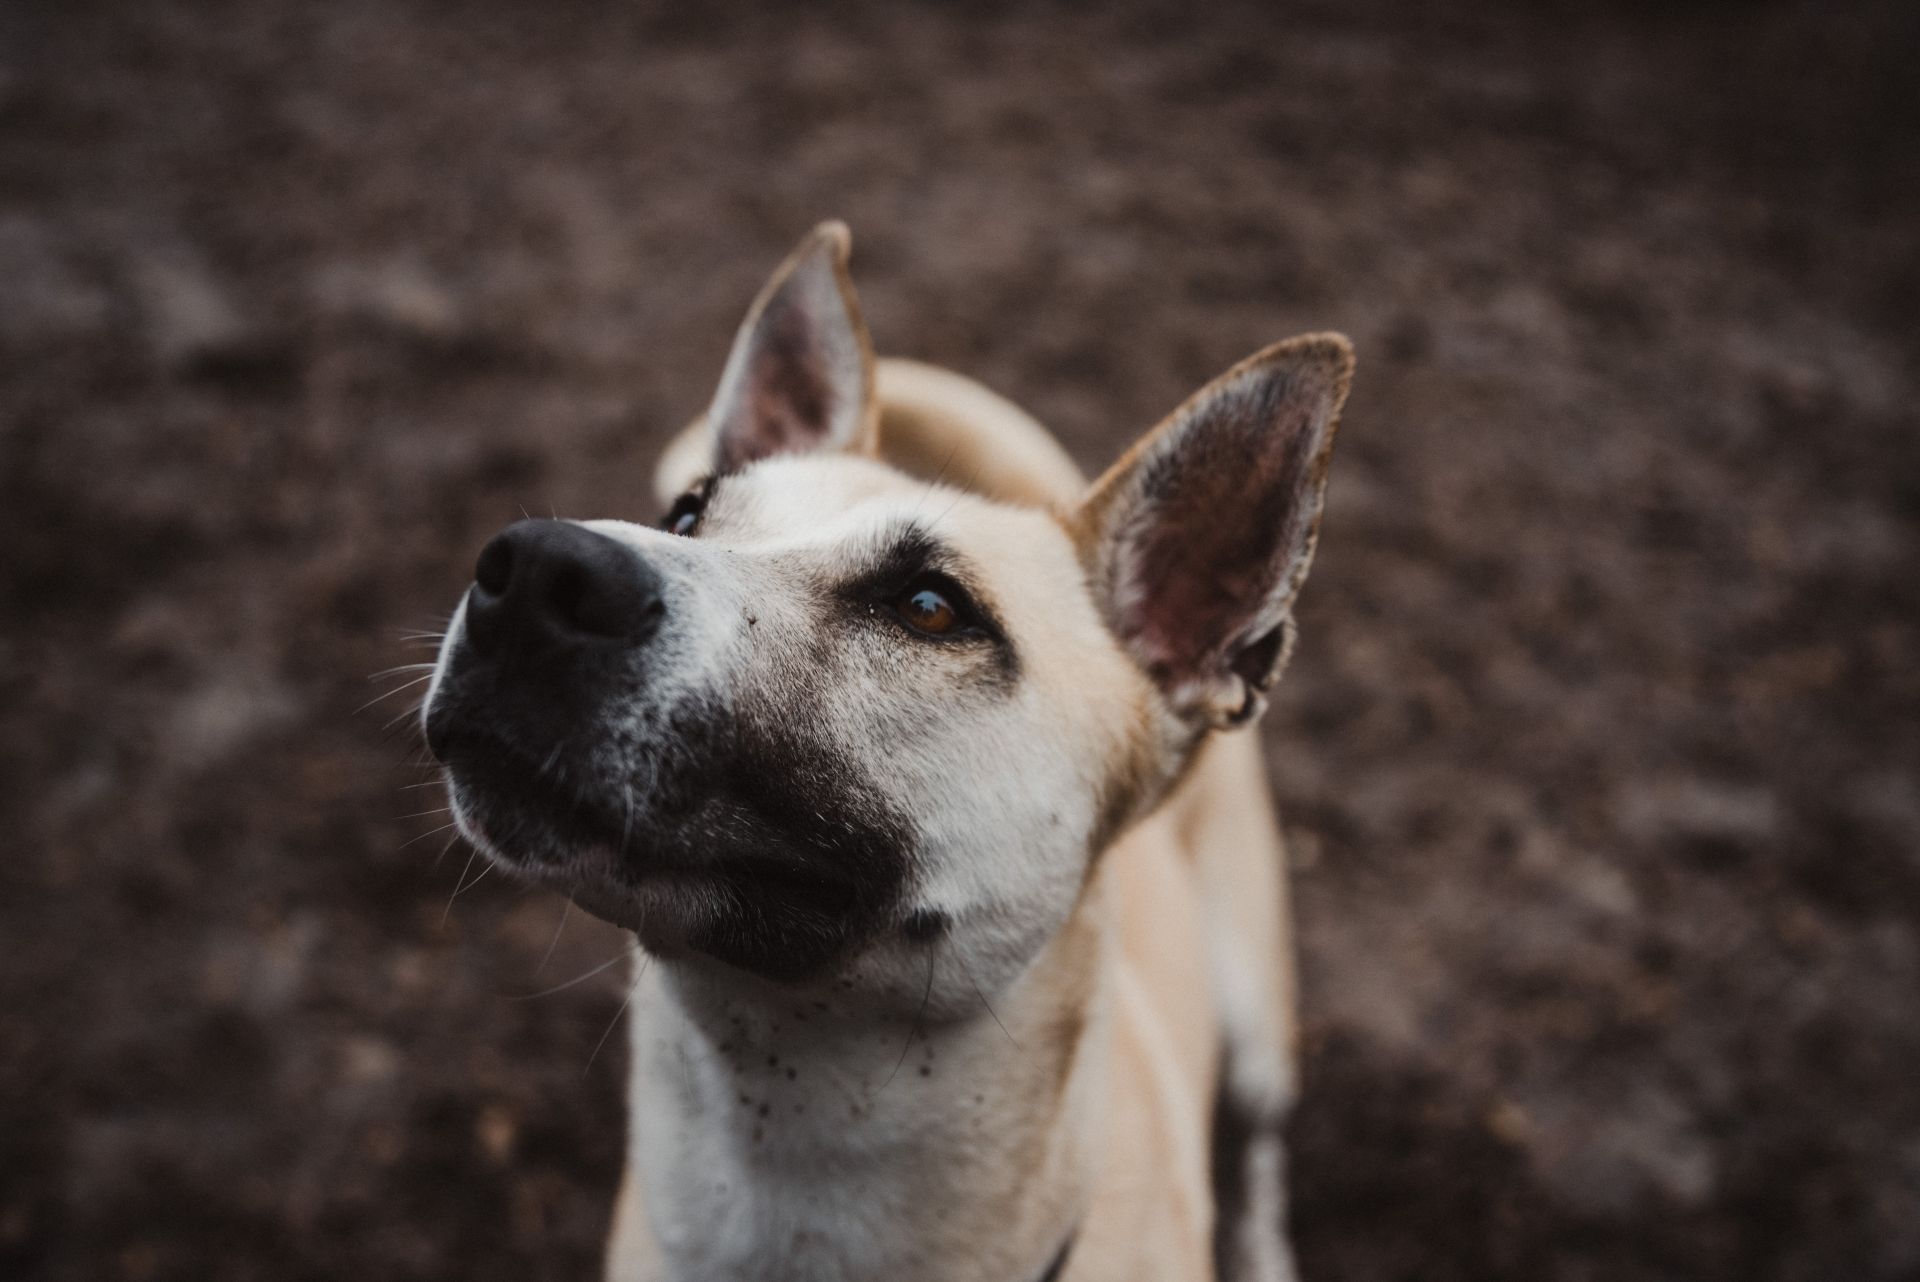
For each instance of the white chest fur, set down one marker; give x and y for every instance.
(775, 1136)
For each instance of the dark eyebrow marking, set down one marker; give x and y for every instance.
(902, 552)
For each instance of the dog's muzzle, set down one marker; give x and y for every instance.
(697, 828)
(558, 621)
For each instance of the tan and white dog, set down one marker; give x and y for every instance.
(906, 756)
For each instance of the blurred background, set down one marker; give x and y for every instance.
(1600, 759)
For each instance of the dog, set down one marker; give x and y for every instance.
(920, 771)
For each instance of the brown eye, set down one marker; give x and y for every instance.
(928, 610)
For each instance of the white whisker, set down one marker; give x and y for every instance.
(565, 912)
(428, 833)
(463, 884)
(577, 979)
(615, 1022)
(399, 689)
(399, 668)
(400, 716)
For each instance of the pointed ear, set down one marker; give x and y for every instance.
(1197, 541)
(800, 376)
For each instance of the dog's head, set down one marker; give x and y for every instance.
(828, 717)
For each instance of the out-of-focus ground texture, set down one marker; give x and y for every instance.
(1600, 758)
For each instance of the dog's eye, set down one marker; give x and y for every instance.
(683, 518)
(927, 608)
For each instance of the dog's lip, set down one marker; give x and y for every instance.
(497, 771)
(603, 854)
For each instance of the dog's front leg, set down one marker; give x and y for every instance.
(1233, 838)
(1250, 1241)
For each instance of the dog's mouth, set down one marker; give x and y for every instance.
(526, 811)
(669, 872)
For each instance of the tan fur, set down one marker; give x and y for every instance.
(933, 424)
(1103, 1105)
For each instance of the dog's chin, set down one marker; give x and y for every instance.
(680, 892)
(663, 910)
(559, 845)
(533, 847)
(731, 858)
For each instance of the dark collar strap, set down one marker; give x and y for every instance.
(1059, 1264)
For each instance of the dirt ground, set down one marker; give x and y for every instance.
(1600, 757)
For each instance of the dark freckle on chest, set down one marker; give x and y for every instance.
(924, 925)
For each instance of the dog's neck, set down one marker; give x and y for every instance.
(784, 1135)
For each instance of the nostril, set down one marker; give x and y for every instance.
(493, 572)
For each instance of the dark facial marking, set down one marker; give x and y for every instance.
(811, 859)
(790, 858)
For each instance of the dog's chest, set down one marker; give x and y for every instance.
(768, 1157)
(785, 1169)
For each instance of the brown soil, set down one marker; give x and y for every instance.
(1601, 755)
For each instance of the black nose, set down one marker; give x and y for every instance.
(542, 585)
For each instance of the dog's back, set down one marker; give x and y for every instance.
(933, 424)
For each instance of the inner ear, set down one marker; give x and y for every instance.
(1198, 540)
(1255, 662)
(800, 376)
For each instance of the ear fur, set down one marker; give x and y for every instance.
(800, 376)
(1197, 541)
